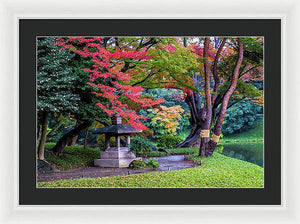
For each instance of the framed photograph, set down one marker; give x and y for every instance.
(151, 79)
(27, 199)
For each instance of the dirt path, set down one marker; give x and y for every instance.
(167, 163)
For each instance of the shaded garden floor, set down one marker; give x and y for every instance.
(167, 163)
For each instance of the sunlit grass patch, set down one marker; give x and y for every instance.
(217, 171)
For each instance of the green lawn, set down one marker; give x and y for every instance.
(217, 171)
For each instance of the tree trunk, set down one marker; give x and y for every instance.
(229, 92)
(41, 147)
(193, 139)
(58, 149)
(52, 132)
(85, 138)
(39, 132)
(207, 146)
(203, 147)
(73, 141)
(206, 113)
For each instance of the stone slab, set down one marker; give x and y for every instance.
(119, 163)
(117, 149)
(117, 155)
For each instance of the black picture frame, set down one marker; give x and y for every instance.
(29, 29)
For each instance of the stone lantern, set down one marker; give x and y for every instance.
(118, 156)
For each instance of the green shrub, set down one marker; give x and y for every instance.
(101, 145)
(137, 164)
(73, 157)
(152, 163)
(242, 117)
(171, 97)
(112, 143)
(168, 141)
(140, 146)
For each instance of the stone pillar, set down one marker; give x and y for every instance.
(128, 141)
(116, 120)
(107, 145)
(118, 142)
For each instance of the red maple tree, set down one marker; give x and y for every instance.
(112, 67)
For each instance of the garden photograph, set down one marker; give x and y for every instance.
(150, 112)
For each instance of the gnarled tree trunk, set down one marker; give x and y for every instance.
(73, 141)
(58, 149)
(193, 139)
(197, 121)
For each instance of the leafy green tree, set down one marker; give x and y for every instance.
(171, 97)
(211, 77)
(87, 110)
(102, 66)
(212, 74)
(241, 117)
(54, 85)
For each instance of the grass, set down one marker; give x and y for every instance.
(73, 157)
(217, 171)
(254, 134)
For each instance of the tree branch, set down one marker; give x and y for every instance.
(248, 71)
(207, 71)
(230, 90)
(143, 80)
(215, 70)
(235, 102)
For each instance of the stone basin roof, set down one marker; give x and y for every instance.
(116, 129)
